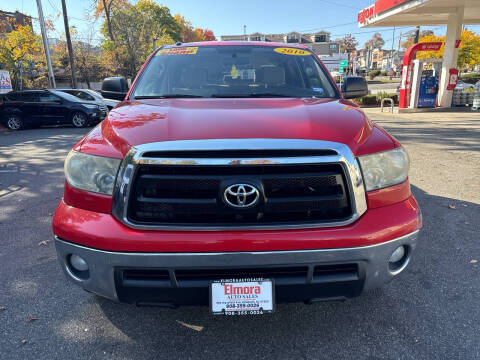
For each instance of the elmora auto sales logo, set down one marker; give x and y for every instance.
(241, 290)
(366, 14)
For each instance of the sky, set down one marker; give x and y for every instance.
(227, 17)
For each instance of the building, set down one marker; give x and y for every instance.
(8, 21)
(319, 42)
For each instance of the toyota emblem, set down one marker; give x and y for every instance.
(241, 195)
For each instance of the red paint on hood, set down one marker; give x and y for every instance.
(144, 121)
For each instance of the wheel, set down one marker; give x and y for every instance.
(14, 122)
(79, 119)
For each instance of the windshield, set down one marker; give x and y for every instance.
(233, 71)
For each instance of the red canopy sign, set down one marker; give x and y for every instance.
(377, 8)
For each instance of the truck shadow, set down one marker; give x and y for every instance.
(395, 316)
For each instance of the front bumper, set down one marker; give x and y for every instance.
(96, 115)
(159, 278)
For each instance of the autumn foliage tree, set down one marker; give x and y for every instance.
(376, 42)
(348, 43)
(190, 34)
(468, 51)
(21, 50)
(134, 28)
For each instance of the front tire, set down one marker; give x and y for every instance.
(79, 119)
(14, 122)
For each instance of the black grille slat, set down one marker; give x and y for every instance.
(201, 277)
(190, 195)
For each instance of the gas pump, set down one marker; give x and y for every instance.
(425, 80)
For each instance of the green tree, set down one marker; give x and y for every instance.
(134, 28)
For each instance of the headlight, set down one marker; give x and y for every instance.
(90, 106)
(384, 169)
(91, 173)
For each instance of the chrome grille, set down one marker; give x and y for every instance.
(317, 184)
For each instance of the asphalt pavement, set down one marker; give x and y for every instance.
(431, 311)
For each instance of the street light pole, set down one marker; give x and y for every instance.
(45, 44)
(69, 44)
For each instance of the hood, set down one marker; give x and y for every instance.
(144, 121)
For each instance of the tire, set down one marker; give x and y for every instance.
(14, 122)
(79, 119)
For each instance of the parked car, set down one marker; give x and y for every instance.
(48, 107)
(91, 95)
(235, 175)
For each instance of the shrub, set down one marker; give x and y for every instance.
(383, 73)
(383, 94)
(370, 99)
(471, 78)
(374, 73)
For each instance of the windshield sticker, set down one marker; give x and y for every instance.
(234, 72)
(318, 90)
(291, 51)
(190, 50)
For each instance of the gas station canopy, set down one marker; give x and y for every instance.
(452, 13)
(417, 12)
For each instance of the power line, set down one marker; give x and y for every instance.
(329, 27)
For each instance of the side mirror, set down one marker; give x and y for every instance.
(114, 88)
(354, 87)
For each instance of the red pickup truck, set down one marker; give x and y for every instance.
(235, 175)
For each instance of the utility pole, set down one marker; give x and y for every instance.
(391, 54)
(417, 34)
(46, 47)
(244, 32)
(69, 44)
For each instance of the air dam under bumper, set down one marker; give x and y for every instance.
(172, 279)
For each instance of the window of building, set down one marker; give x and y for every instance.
(292, 38)
(321, 38)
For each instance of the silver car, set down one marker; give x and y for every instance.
(91, 95)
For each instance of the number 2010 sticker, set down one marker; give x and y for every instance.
(291, 51)
(190, 50)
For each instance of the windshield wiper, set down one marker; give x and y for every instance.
(253, 95)
(167, 96)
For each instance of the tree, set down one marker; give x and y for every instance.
(135, 27)
(21, 49)
(348, 43)
(208, 35)
(411, 39)
(189, 34)
(468, 51)
(376, 42)
(104, 8)
(88, 58)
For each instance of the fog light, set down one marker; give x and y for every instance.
(398, 254)
(78, 263)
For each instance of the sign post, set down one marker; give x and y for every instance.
(343, 65)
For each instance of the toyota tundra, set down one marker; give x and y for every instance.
(235, 175)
